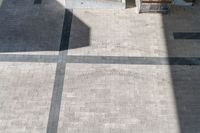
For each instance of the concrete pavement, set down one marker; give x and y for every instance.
(101, 71)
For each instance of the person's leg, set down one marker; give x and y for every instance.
(138, 4)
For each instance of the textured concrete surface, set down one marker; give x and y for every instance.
(130, 34)
(115, 76)
(94, 4)
(26, 90)
(118, 33)
(117, 98)
(31, 29)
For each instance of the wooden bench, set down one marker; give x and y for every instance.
(156, 1)
(152, 5)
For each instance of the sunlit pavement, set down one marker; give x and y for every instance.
(98, 71)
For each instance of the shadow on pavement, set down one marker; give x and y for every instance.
(185, 79)
(26, 26)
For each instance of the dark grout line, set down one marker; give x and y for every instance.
(37, 1)
(186, 35)
(64, 44)
(63, 57)
(28, 58)
(56, 98)
(54, 113)
(184, 61)
(134, 60)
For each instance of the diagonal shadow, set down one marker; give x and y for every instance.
(40, 27)
(26, 28)
(185, 79)
(29, 25)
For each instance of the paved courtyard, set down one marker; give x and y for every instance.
(98, 71)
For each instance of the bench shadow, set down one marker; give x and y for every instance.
(185, 79)
(27, 27)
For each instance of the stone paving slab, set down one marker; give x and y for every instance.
(28, 28)
(26, 91)
(115, 33)
(125, 33)
(97, 92)
(118, 98)
(95, 4)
